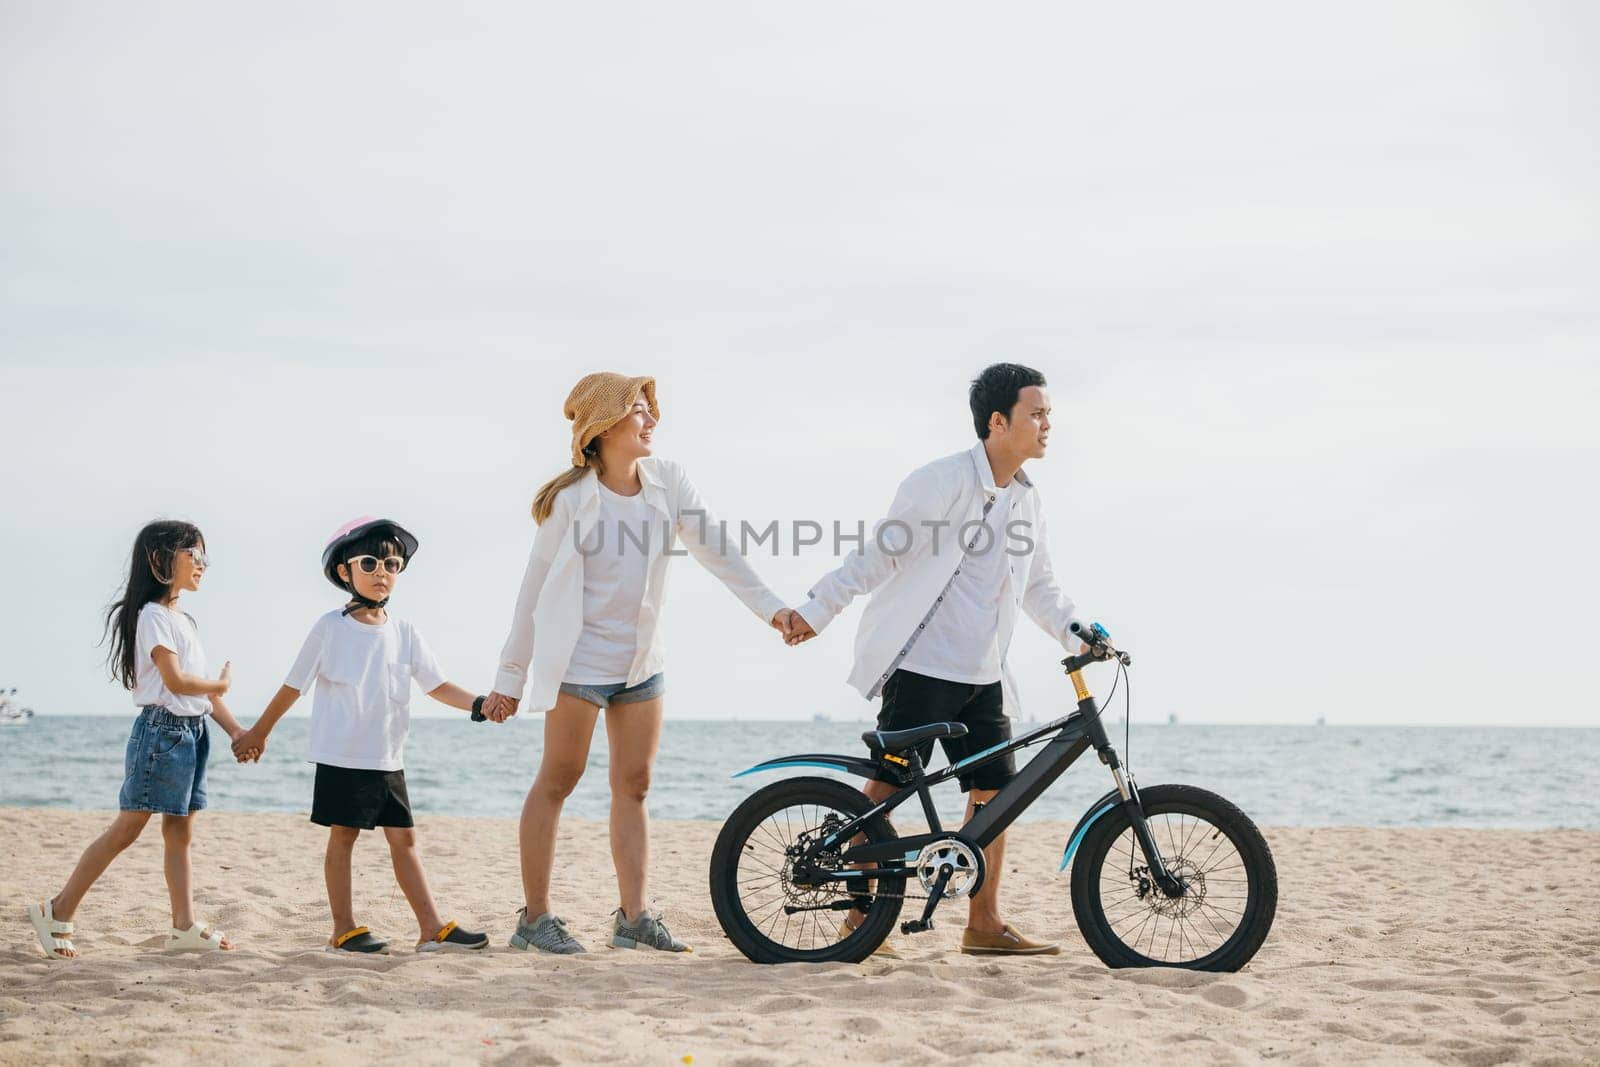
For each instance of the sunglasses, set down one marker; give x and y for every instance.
(369, 564)
(199, 557)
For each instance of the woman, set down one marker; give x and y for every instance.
(586, 629)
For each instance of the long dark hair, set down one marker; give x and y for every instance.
(149, 578)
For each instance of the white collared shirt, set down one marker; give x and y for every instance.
(909, 563)
(548, 618)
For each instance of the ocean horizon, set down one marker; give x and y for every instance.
(1281, 775)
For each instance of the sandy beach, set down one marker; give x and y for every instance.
(1455, 946)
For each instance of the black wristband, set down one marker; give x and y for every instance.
(477, 710)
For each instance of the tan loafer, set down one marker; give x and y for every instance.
(884, 951)
(1006, 943)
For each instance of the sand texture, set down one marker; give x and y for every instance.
(1456, 946)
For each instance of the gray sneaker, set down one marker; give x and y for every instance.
(547, 933)
(647, 931)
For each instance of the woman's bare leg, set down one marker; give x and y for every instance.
(568, 729)
(633, 732)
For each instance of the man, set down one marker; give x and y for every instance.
(962, 549)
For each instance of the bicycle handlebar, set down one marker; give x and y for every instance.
(1099, 641)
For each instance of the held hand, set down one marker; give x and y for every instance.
(782, 621)
(499, 707)
(249, 746)
(226, 677)
(799, 631)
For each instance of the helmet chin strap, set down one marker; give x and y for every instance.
(357, 602)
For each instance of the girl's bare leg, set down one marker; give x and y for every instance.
(123, 831)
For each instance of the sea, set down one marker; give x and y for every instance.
(1306, 775)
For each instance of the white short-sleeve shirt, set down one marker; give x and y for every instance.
(614, 572)
(361, 712)
(162, 627)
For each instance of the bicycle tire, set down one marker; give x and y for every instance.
(1257, 871)
(734, 843)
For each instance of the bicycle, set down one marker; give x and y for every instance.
(795, 853)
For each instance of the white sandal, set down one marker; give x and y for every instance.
(198, 938)
(55, 937)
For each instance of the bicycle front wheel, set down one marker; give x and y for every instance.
(1231, 885)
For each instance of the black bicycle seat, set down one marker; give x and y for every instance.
(900, 740)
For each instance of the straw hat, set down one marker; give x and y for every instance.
(600, 401)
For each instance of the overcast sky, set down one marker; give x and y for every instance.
(1315, 288)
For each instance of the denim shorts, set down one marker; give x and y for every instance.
(164, 770)
(603, 696)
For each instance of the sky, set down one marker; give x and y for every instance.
(1315, 290)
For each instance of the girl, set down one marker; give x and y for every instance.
(592, 594)
(155, 651)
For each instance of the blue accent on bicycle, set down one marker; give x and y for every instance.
(776, 764)
(988, 751)
(1083, 830)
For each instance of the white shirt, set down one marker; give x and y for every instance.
(907, 580)
(616, 562)
(548, 618)
(162, 627)
(960, 642)
(362, 710)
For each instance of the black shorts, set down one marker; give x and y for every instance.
(363, 799)
(911, 700)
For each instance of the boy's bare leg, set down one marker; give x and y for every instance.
(413, 882)
(336, 872)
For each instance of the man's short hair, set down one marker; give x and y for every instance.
(996, 389)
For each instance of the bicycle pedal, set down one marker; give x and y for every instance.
(916, 926)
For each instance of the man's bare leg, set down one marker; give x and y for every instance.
(877, 792)
(983, 909)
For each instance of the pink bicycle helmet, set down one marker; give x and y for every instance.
(355, 530)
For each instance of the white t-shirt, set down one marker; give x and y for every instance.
(165, 627)
(162, 627)
(614, 569)
(961, 643)
(362, 709)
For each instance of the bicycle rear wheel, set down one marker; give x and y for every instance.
(768, 915)
(1232, 885)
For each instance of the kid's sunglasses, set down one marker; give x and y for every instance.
(369, 564)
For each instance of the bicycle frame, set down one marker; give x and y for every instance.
(1074, 735)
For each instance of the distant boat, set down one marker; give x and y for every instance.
(1172, 719)
(10, 714)
(819, 717)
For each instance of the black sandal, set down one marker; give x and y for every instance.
(453, 937)
(358, 940)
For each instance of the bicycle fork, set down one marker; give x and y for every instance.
(1127, 789)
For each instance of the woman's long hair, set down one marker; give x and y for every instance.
(149, 578)
(545, 500)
